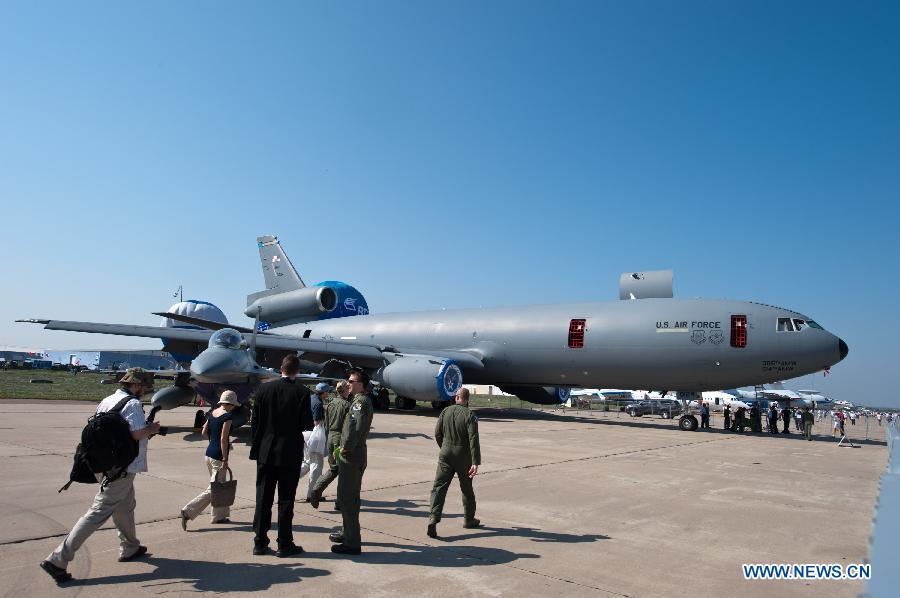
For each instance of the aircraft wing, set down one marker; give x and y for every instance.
(336, 349)
(782, 394)
(201, 322)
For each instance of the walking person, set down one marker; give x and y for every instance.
(739, 419)
(456, 433)
(773, 419)
(217, 429)
(755, 418)
(807, 417)
(335, 412)
(116, 495)
(704, 415)
(353, 463)
(281, 413)
(314, 441)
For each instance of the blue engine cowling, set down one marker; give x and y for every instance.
(421, 377)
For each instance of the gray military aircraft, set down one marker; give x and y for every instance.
(647, 339)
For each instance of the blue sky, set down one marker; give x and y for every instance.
(453, 155)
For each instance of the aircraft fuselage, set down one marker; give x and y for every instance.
(667, 344)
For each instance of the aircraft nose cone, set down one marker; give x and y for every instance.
(843, 348)
(208, 366)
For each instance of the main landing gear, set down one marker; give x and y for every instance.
(404, 403)
(687, 421)
(381, 400)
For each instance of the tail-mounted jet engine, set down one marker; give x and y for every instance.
(307, 302)
(422, 378)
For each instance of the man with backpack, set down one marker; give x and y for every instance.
(116, 496)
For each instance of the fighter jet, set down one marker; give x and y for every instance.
(646, 339)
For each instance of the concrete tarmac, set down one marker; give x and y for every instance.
(591, 504)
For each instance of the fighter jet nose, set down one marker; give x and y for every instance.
(843, 348)
(209, 364)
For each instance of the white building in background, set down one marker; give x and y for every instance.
(486, 389)
(113, 360)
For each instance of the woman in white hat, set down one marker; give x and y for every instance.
(217, 428)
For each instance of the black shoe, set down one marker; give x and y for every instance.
(472, 524)
(432, 530)
(336, 538)
(344, 549)
(260, 550)
(220, 521)
(58, 574)
(289, 550)
(315, 499)
(141, 551)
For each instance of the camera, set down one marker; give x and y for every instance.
(163, 430)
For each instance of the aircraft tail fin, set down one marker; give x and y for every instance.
(278, 270)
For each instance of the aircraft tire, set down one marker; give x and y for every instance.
(632, 413)
(382, 401)
(688, 423)
(404, 403)
(199, 419)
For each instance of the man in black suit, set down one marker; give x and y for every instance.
(281, 412)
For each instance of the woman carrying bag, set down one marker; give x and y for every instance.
(217, 429)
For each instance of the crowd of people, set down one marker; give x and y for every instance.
(291, 431)
(742, 418)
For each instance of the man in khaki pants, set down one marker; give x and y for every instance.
(116, 499)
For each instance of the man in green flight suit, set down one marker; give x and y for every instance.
(456, 432)
(808, 420)
(352, 464)
(335, 413)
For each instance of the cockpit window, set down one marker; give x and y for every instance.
(785, 325)
(815, 325)
(227, 338)
(799, 324)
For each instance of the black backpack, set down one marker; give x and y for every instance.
(106, 447)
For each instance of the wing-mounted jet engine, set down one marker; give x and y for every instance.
(542, 395)
(420, 377)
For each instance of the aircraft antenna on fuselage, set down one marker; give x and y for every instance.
(278, 270)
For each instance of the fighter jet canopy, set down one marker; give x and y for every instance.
(226, 338)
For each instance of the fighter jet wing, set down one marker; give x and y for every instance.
(330, 348)
(209, 324)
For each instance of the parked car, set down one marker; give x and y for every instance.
(665, 408)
